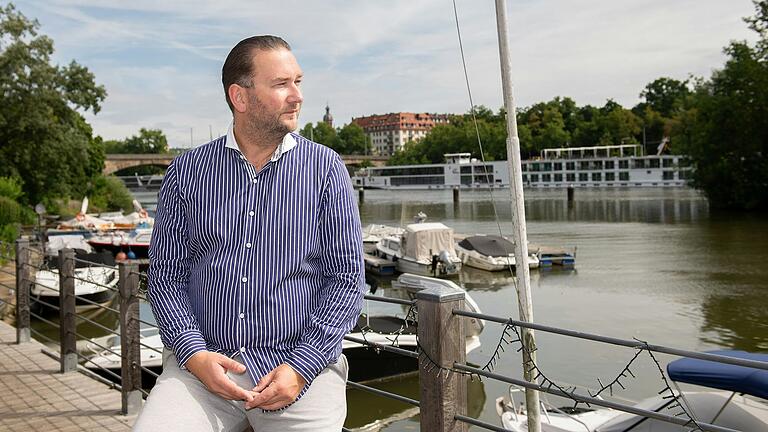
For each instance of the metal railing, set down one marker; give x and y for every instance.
(127, 297)
(441, 347)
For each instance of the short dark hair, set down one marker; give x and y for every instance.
(238, 67)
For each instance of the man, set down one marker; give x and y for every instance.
(256, 267)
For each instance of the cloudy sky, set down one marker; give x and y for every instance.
(160, 61)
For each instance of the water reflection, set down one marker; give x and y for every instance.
(369, 412)
(596, 205)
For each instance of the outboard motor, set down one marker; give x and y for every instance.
(448, 264)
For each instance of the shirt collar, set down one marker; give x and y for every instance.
(288, 143)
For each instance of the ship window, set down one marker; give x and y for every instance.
(597, 176)
(583, 176)
(570, 166)
(609, 176)
(546, 178)
(558, 177)
(466, 169)
(570, 177)
(484, 178)
(668, 175)
(547, 166)
(535, 167)
(584, 165)
(609, 165)
(667, 162)
(422, 180)
(638, 163)
(535, 178)
(623, 164)
(558, 166)
(525, 178)
(624, 176)
(466, 179)
(654, 163)
(525, 167)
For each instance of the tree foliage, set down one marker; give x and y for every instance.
(44, 139)
(147, 141)
(349, 139)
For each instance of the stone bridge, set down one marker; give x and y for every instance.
(117, 162)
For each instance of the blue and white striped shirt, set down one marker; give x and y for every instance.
(266, 264)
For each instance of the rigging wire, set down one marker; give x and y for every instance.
(480, 142)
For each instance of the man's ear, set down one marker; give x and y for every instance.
(238, 97)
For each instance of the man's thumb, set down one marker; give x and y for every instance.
(264, 381)
(232, 365)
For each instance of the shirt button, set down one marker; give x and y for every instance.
(242, 349)
(244, 279)
(251, 213)
(242, 315)
(255, 180)
(248, 245)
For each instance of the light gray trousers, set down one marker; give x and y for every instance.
(180, 402)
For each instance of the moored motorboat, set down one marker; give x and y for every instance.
(490, 253)
(96, 281)
(133, 243)
(424, 248)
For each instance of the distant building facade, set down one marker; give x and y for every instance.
(388, 133)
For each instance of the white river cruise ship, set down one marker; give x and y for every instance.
(605, 166)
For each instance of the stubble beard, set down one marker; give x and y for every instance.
(265, 124)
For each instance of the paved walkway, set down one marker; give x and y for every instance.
(35, 396)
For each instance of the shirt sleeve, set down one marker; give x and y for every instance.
(169, 271)
(343, 275)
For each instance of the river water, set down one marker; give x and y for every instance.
(652, 264)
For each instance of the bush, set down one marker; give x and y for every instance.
(10, 187)
(108, 193)
(12, 212)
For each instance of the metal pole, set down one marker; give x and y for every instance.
(519, 233)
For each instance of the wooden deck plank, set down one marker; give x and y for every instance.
(35, 396)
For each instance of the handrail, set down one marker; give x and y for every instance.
(590, 400)
(637, 344)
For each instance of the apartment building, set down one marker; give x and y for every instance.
(389, 132)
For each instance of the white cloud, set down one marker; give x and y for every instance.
(160, 61)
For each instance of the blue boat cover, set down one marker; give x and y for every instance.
(723, 376)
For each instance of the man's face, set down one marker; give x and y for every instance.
(274, 99)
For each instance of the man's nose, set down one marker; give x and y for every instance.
(295, 96)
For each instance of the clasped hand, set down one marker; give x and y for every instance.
(275, 390)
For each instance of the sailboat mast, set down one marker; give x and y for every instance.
(519, 231)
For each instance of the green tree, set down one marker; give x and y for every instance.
(353, 139)
(147, 141)
(665, 95)
(725, 129)
(44, 139)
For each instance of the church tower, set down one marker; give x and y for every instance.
(328, 118)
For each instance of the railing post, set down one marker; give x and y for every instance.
(23, 282)
(67, 312)
(130, 346)
(442, 342)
